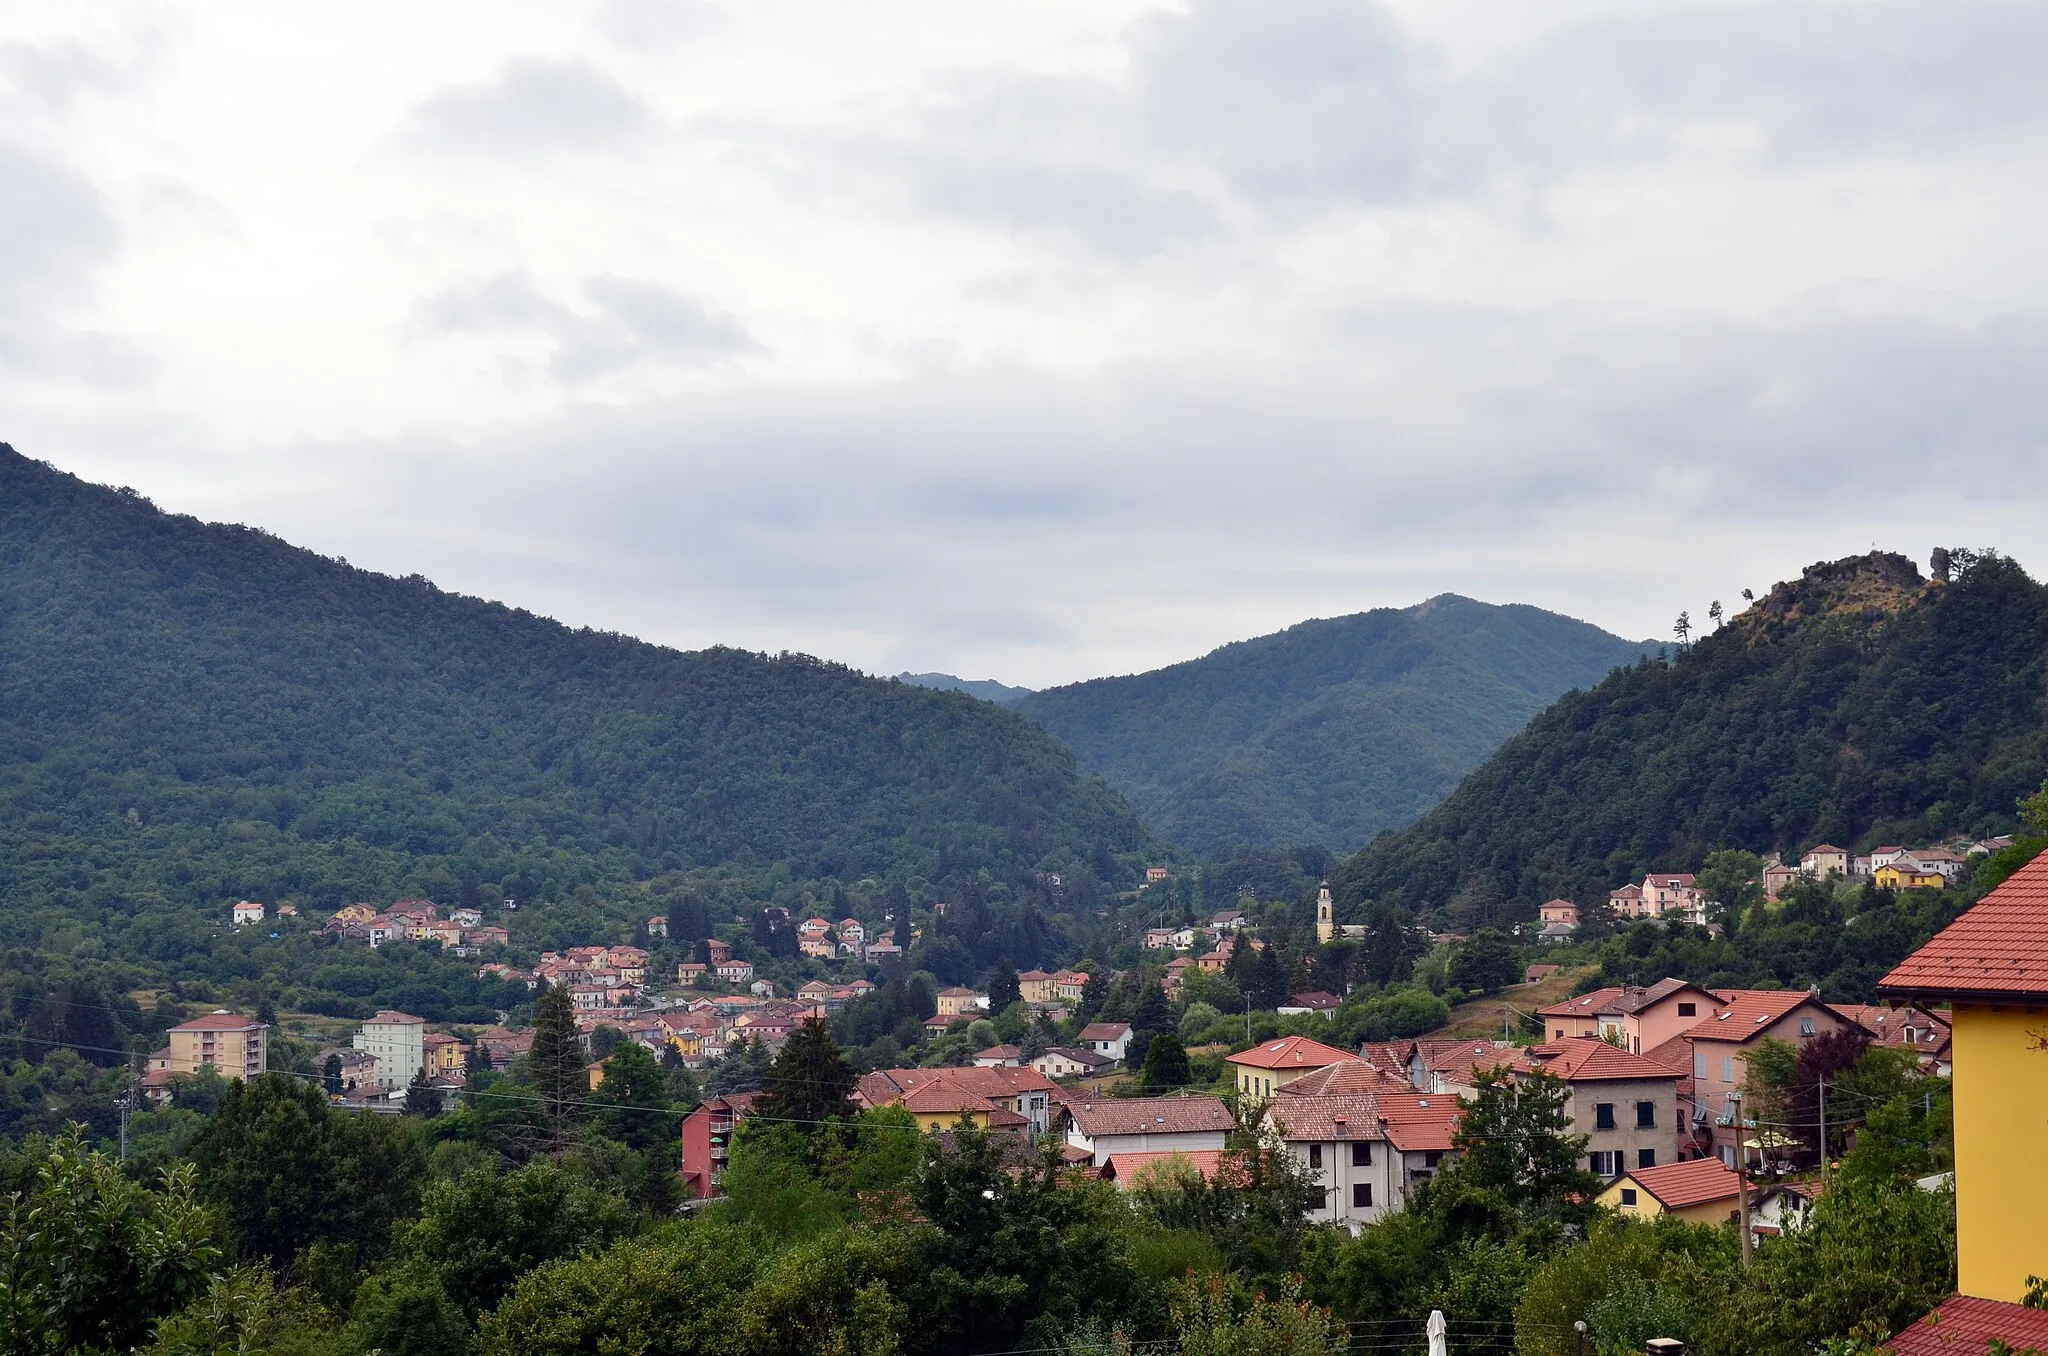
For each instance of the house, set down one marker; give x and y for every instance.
(1454, 1067)
(1927, 1034)
(397, 1041)
(1577, 1016)
(707, 1141)
(1702, 1191)
(1536, 974)
(1036, 986)
(487, 935)
(1824, 861)
(736, 971)
(1265, 1068)
(1991, 966)
(1777, 876)
(814, 991)
(1967, 1323)
(1558, 911)
(357, 1068)
(939, 1023)
(287, 911)
(1176, 970)
(1555, 934)
(1155, 874)
(1353, 1151)
(1908, 872)
(1107, 1038)
(957, 1001)
(1353, 1076)
(657, 926)
(1060, 1061)
(884, 950)
(1625, 1105)
(247, 912)
(1159, 939)
(353, 913)
(228, 1043)
(441, 1055)
(993, 1099)
(1627, 902)
(1782, 1206)
(1183, 939)
(1721, 1045)
(1123, 1125)
(1674, 895)
(466, 918)
(852, 934)
(1068, 985)
(999, 1057)
(1947, 864)
(690, 972)
(1316, 1002)
(720, 952)
(1640, 1019)
(818, 948)
(504, 1046)
(1229, 920)
(1212, 962)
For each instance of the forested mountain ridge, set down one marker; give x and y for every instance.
(1857, 704)
(988, 689)
(1329, 731)
(191, 712)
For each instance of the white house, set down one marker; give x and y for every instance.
(1126, 1125)
(248, 912)
(397, 1041)
(1364, 1151)
(1061, 1062)
(1106, 1038)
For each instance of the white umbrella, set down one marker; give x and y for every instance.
(1438, 1346)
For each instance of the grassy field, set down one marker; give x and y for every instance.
(1482, 1016)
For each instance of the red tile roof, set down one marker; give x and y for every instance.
(1695, 1182)
(1351, 1076)
(1326, 1118)
(1585, 1005)
(1749, 1012)
(1150, 1116)
(1997, 949)
(1967, 1324)
(1292, 1052)
(1122, 1168)
(218, 1021)
(1585, 1059)
(1417, 1122)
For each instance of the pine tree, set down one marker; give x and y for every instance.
(330, 1076)
(422, 1099)
(1166, 1062)
(1003, 988)
(810, 1081)
(555, 1063)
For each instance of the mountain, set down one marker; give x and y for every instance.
(988, 689)
(191, 712)
(1331, 730)
(1857, 704)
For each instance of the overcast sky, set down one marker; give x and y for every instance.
(1040, 341)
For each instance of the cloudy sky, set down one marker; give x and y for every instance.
(1048, 340)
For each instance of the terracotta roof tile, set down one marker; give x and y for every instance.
(1123, 1168)
(1998, 948)
(1586, 1059)
(1327, 1118)
(1967, 1324)
(1418, 1122)
(1695, 1182)
(218, 1021)
(1585, 1005)
(1351, 1076)
(1150, 1116)
(1749, 1011)
(1291, 1052)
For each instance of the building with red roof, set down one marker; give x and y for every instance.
(1576, 1016)
(1967, 1323)
(1130, 1171)
(1125, 1125)
(1991, 967)
(1625, 1105)
(1721, 1045)
(1273, 1064)
(1702, 1191)
(1364, 1151)
(1023, 1092)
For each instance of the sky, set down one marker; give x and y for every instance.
(1042, 341)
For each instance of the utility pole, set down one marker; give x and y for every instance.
(1741, 1176)
(1823, 1085)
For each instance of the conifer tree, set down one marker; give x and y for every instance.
(810, 1081)
(555, 1063)
(422, 1099)
(1003, 988)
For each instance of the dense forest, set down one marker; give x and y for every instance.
(1330, 731)
(191, 713)
(1859, 704)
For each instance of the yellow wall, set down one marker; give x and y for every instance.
(1649, 1207)
(950, 1120)
(2001, 1101)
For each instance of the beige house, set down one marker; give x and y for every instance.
(957, 1002)
(1721, 1045)
(228, 1043)
(1824, 861)
(1626, 1106)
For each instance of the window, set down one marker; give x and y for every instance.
(1432, 1158)
(1603, 1116)
(1699, 1064)
(1646, 1158)
(1727, 1068)
(1319, 1199)
(1646, 1115)
(1361, 1155)
(1688, 1009)
(1628, 1198)
(1806, 1026)
(1602, 1163)
(1361, 1195)
(1557, 1034)
(1315, 1155)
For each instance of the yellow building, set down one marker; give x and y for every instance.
(1908, 874)
(1326, 915)
(1701, 1191)
(1991, 967)
(1266, 1067)
(230, 1044)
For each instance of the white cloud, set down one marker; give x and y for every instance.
(1051, 340)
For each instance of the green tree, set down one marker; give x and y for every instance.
(1166, 1063)
(810, 1081)
(330, 1076)
(422, 1098)
(90, 1260)
(632, 1101)
(1487, 963)
(244, 1312)
(554, 1063)
(481, 1232)
(1732, 880)
(1513, 1146)
(1003, 988)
